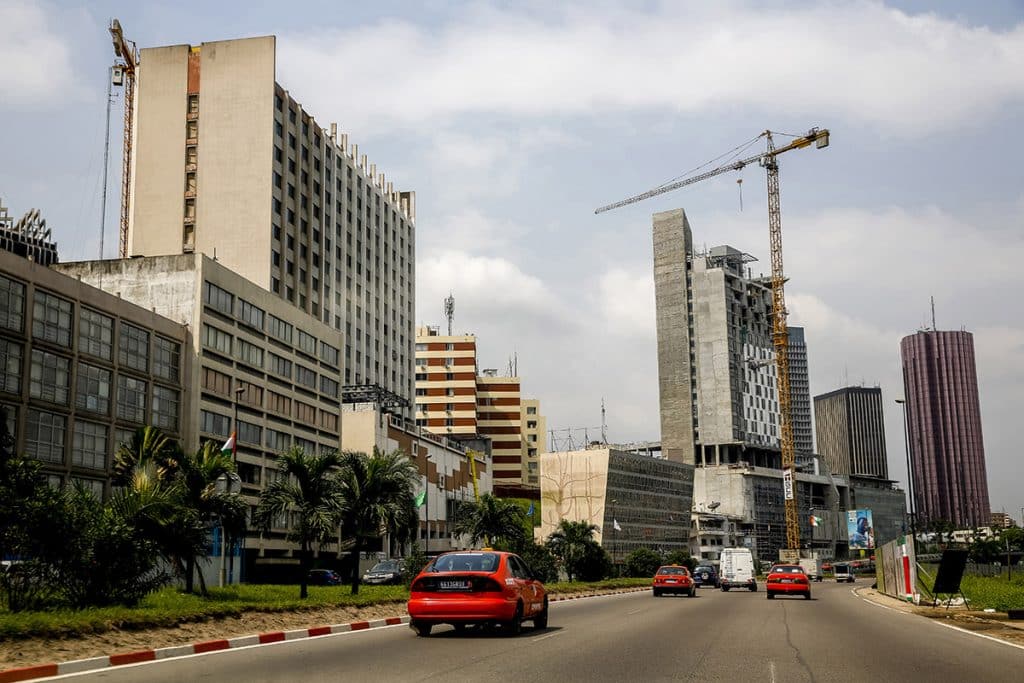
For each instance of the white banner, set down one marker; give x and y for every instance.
(787, 484)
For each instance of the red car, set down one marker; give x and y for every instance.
(673, 579)
(487, 587)
(788, 579)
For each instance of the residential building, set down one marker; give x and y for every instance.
(535, 429)
(499, 417)
(27, 237)
(82, 370)
(276, 197)
(711, 532)
(1002, 520)
(800, 394)
(851, 433)
(446, 379)
(944, 428)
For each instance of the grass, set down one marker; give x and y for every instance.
(170, 606)
(986, 592)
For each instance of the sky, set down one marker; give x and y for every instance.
(513, 121)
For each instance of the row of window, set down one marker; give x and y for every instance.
(46, 436)
(251, 433)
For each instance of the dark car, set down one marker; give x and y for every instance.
(386, 572)
(705, 575)
(324, 577)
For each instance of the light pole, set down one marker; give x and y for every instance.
(910, 473)
(225, 577)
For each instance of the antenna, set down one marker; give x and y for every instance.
(604, 425)
(449, 311)
(934, 329)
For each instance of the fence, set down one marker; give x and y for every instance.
(897, 569)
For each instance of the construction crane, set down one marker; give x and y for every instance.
(780, 336)
(125, 67)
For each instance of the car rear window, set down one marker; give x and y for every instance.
(671, 570)
(466, 562)
(704, 569)
(787, 570)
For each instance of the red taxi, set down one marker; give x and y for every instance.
(788, 579)
(673, 579)
(485, 587)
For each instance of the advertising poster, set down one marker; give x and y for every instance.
(860, 529)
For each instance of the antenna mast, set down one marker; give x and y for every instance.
(934, 329)
(604, 425)
(449, 311)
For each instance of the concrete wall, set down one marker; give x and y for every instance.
(714, 356)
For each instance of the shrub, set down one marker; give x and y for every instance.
(595, 564)
(682, 558)
(540, 560)
(415, 561)
(642, 562)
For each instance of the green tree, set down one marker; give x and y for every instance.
(414, 563)
(491, 520)
(311, 487)
(147, 444)
(682, 558)
(539, 559)
(595, 564)
(377, 495)
(642, 562)
(570, 543)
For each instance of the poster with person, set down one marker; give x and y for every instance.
(860, 529)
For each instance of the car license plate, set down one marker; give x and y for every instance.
(671, 581)
(454, 585)
(786, 580)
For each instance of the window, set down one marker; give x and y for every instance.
(277, 441)
(131, 399)
(328, 386)
(12, 304)
(305, 377)
(278, 403)
(93, 393)
(279, 329)
(251, 394)
(248, 353)
(329, 354)
(89, 446)
(93, 486)
(305, 413)
(122, 437)
(531, 424)
(95, 334)
(307, 343)
(250, 433)
(250, 315)
(166, 358)
(217, 298)
(216, 382)
(306, 445)
(11, 356)
(133, 347)
(44, 436)
(421, 392)
(51, 319)
(216, 339)
(50, 377)
(165, 408)
(280, 366)
(531, 410)
(328, 421)
(421, 377)
(214, 423)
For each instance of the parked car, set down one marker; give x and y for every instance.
(673, 579)
(788, 579)
(705, 575)
(843, 573)
(324, 577)
(737, 569)
(386, 572)
(486, 587)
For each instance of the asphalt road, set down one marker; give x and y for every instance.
(734, 636)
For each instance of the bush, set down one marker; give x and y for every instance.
(682, 558)
(596, 564)
(642, 562)
(540, 560)
(415, 561)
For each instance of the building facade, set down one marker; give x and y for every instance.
(851, 431)
(446, 372)
(274, 196)
(535, 430)
(800, 394)
(27, 237)
(944, 428)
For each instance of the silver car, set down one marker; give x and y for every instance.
(386, 572)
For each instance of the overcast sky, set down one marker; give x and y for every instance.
(513, 121)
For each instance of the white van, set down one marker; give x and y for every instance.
(843, 573)
(736, 569)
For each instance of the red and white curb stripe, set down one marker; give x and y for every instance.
(28, 673)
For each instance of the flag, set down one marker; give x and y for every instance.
(529, 512)
(615, 525)
(815, 521)
(421, 498)
(229, 445)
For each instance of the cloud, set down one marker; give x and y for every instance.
(626, 302)
(36, 58)
(900, 72)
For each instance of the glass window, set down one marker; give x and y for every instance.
(248, 353)
(133, 347)
(95, 334)
(305, 413)
(305, 376)
(93, 486)
(50, 377)
(280, 366)
(93, 389)
(329, 354)
(122, 436)
(44, 436)
(307, 343)
(166, 359)
(12, 304)
(306, 445)
(216, 381)
(329, 421)
(250, 433)
(328, 386)
(51, 318)
(165, 408)
(278, 403)
(11, 356)
(214, 423)
(216, 339)
(89, 445)
(277, 441)
(250, 315)
(131, 399)
(279, 329)
(218, 299)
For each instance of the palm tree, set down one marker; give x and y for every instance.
(378, 493)
(569, 543)
(491, 520)
(148, 444)
(312, 487)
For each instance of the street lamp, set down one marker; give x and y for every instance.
(910, 473)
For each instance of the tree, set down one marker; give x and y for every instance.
(595, 564)
(682, 558)
(148, 444)
(570, 543)
(491, 520)
(310, 486)
(377, 494)
(539, 559)
(642, 562)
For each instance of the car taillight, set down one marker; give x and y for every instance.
(486, 585)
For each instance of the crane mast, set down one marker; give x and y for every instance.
(127, 61)
(780, 334)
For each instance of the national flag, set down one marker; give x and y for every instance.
(615, 525)
(421, 498)
(229, 445)
(529, 512)
(815, 521)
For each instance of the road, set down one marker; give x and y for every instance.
(735, 636)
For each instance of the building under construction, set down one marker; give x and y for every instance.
(27, 237)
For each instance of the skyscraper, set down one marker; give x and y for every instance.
(851, 433)
(800, 393)
(944, 427)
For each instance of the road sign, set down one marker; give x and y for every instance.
(787, 483)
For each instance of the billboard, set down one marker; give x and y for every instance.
(860, 529)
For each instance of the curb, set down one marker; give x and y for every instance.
(28, 673)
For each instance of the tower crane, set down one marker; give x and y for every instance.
(125, 66)
(780, 336)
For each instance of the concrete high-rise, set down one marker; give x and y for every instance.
(227, 163)
(851, 433)
(800, 394)
(944, 427)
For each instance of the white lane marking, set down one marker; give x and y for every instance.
(980, 635)
(771, 668)
(636, 611)
(550, 635)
